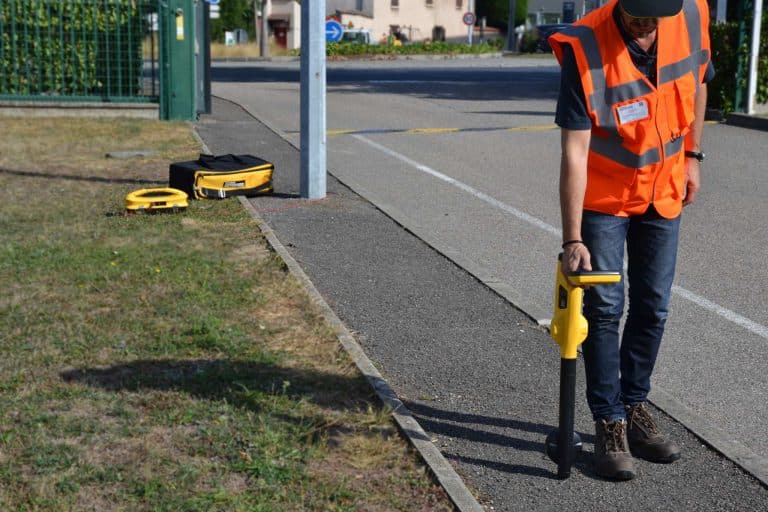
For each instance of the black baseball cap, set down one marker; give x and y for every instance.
(651, 8)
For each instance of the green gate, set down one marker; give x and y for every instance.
(99, 51)
(177, 51)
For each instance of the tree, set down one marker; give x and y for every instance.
(496, 12)
(234, 14)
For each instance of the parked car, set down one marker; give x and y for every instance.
(544, 31)
(357, 35)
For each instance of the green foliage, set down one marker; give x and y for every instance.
(434, 48)
(234, 14)
(762, 65)
(497, 12)
(728, 57)
(77, 48)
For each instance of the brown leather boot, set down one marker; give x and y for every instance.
(645, 439)
(612, 458)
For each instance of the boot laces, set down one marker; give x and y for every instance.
(640, 415)
(615, 436)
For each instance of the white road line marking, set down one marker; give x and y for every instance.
(700, 301)
(463, 186)
(732, 316)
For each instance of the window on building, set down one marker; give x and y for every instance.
(430, 3)
(394, 4)
(459, 5)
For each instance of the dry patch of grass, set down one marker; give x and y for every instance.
(152, 363)
(244, 51)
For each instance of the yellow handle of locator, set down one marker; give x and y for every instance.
(569, 327)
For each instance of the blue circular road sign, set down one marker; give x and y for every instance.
(333, 31)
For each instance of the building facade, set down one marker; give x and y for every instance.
(416, 20)
(544, 12)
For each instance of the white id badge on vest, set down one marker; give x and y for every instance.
(633, 111)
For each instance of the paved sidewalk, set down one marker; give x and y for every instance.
(479, 375)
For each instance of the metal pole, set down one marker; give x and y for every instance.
(256, 24)
(264, 34)
(207, 57)
(565, 427)
(471, 28)
(511, 35)
(738, 96)
(313, 156)
(199, 35)
(721, 12)
(754, 55)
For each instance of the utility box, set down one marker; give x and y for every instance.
(177, 70)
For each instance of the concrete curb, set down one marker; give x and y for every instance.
(445, 474)
(718, 440)
(374, 57)
(454, 486)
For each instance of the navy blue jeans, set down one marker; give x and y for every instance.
(619, 374)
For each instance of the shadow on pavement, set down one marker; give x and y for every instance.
(443, 422)
(470, 84)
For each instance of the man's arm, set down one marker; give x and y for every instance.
(573, 184)
(693, 143)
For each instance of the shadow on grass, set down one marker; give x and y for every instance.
(95, 179)
(241, 383)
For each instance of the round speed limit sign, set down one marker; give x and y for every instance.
(469, 18)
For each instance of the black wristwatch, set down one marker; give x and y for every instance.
(698, 155)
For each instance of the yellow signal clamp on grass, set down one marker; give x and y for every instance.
(156, 199)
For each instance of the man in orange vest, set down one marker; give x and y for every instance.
(631, 109)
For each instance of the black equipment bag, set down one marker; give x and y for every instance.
(218, 177)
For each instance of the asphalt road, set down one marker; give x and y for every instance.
(485, 197)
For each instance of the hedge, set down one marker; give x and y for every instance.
(72, 48)
(727, 56)
(431, 48)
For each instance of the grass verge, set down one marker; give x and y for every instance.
(168, 362)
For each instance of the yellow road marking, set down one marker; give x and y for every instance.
(532, 128)
(433, 130)
(413, 131)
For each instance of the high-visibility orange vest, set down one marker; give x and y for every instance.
(636, 148)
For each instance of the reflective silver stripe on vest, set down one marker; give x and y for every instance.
(598, 98)
(625, 92)
(697, 57)
(674, 146)
(690, 64)
(612, 149)
(604, 98)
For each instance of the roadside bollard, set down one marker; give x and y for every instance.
(569, 329)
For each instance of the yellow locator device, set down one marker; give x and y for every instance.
(155, 200)
(569, 329)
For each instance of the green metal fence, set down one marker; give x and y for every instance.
(79, 50)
